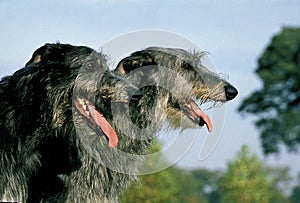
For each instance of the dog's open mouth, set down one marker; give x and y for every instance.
(96, 119)
(193, 111)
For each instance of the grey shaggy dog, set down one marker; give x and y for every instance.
(65, 118)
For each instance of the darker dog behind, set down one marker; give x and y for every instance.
(64, 115)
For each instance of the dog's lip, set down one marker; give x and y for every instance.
(197, 115)
(96, 118)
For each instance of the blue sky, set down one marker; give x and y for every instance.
(235, 32)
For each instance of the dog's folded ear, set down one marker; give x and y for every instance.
(36, 57)
(121, 69)
(42, 53)
(134, 61)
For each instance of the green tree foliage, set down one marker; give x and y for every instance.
(174, 185)
(295, 196)
(208, 183)
(191, 188)
(245, 180)
(279, 180)
(157, 187)
(277, 103)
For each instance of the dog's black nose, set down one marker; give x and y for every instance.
(230, 92)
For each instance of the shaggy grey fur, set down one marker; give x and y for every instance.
(52, 151)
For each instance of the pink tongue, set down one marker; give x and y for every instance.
(104, 125)
(201, 114)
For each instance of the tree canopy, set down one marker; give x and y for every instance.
(277, 103)
(245, 180)
(295, 196)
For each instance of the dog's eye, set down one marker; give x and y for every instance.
(91, 65)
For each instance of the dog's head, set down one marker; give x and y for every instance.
(181, 77)
(77, 78)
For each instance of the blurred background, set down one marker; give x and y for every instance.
(256, 43)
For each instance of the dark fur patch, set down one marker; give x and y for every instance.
(41, 156)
